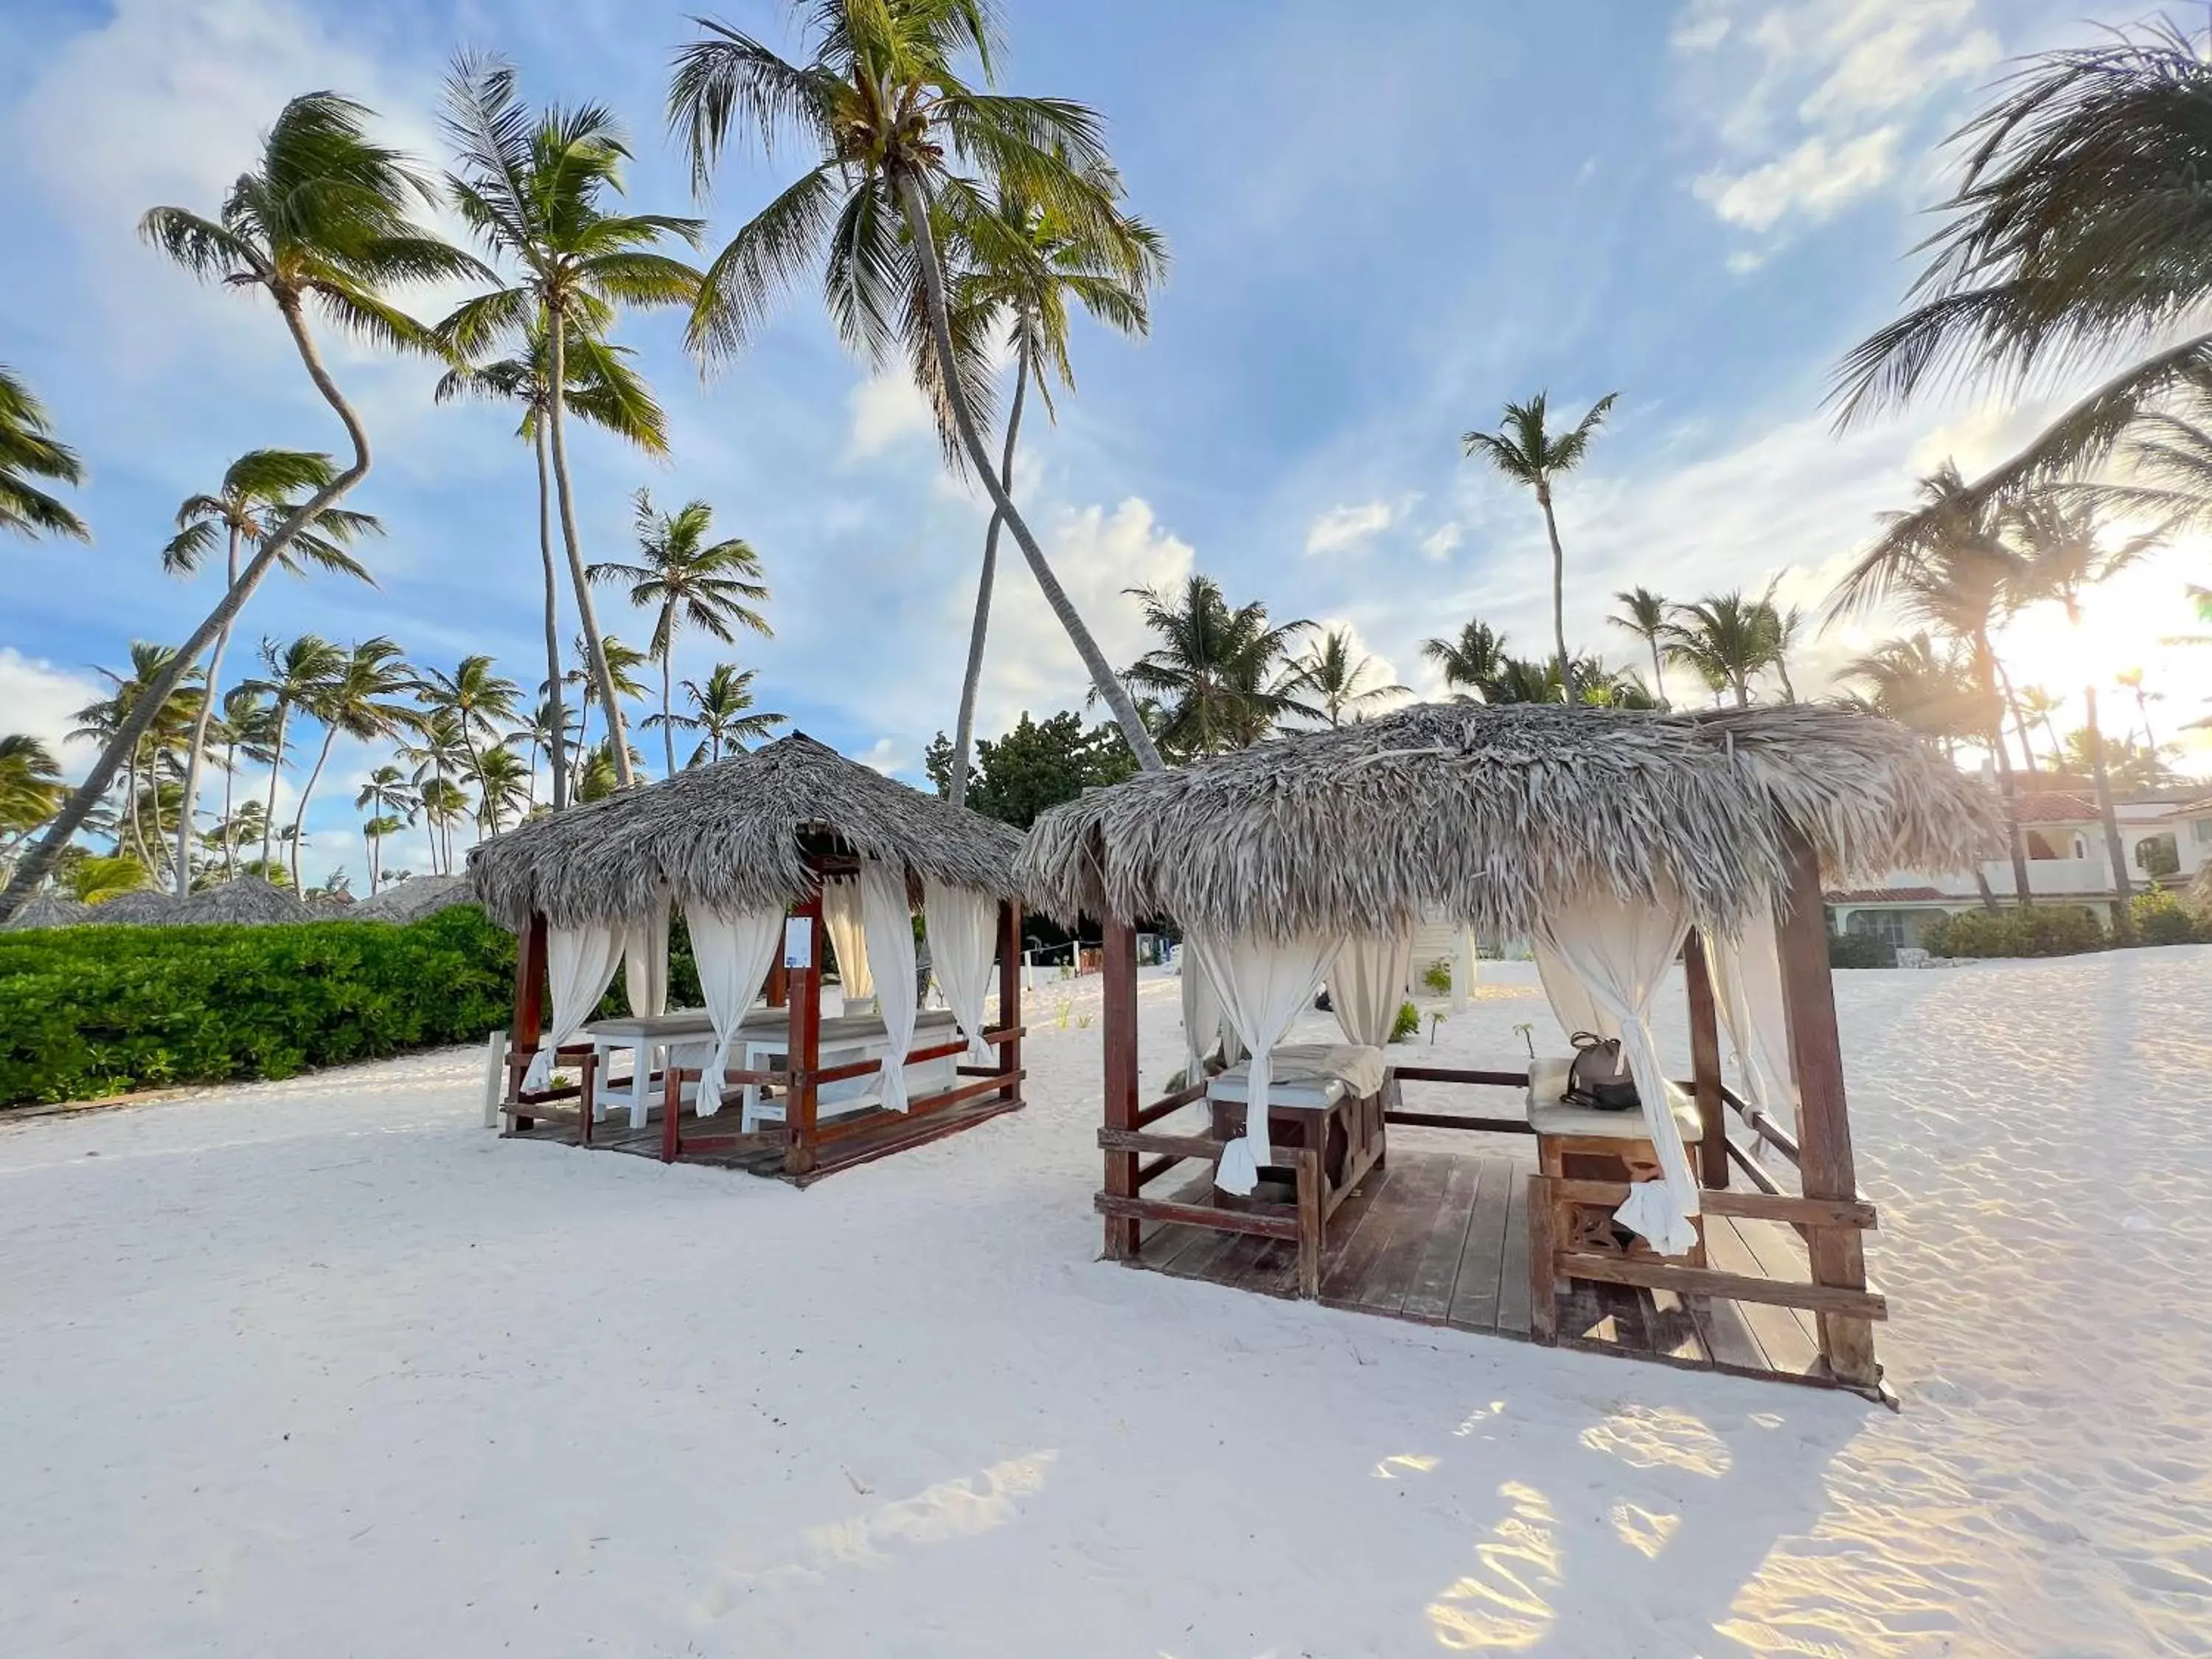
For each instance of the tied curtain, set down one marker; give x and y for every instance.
(889, 925)
(1616, 954)
(963, 925)
(1367, 987)
(1204, 1024)
(1264, 985)
(1571, 1003)
(1747, 973)
(734, 953)
(841, 919)
(581, 963)
(645, 962)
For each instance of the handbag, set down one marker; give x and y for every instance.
(1599, 1079)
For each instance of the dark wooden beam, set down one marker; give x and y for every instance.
(529, 1004)
(1705, 1065)
(803, 1042)
(1010, 992)
(1119, 1018)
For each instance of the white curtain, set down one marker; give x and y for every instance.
(581, 963)
(1619, 953)
(963, 925)
(1572, 1003)
(1264, 986)
(841, 919)
(734, 954)
(1463, 971)
(1747, 974)
(1367, 985)
(890, 927)
(645, 962)
(1202, 1015)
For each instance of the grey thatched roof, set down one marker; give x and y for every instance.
(245, 902)
(1498, 814)
(728, 834)
(145, 908)
(413, 899)
(48, 910)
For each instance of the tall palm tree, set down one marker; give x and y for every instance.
(28, 450)
(1645, 614)
(444, 805)
(2039, 705)
(501, 776)
(1782, 629)
(323, 218)
(540, 734)
(1017, 265)
(440, 749)
(688, 579)
(1525, 450)
(248, 727)
(31, 789)
(622, 662)
(162, 736)
(477, 698)
(722, 709)
(370, 695)
(2131, 680)
(1219, 670)
(604, 390)
(295, 677)
(889, 121)
(1726, 639)
(533, 192)
(391, 807)
(258, 492)
(1470, 662)
(1930, 686)
(1333, 671)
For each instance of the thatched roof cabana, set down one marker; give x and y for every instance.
(145, 908)
(413, 899)
(245, 902)
(735, 835)
(49, 910)
(1498, 814)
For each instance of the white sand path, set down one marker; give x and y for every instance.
(322, 1367)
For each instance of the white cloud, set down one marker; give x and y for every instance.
(1813, 179)
(38, 700)
(886, 409)
(1341, 529)
(1439, 542)
(886, 757)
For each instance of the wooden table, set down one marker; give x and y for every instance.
(689, 1032)
(1579, 1143)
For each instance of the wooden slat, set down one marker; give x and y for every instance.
(1138, 1140)
(1436, 1273)
(1274, 1221)
(1496, 1126)
(1824, 1212)
(1513, 1269)
(1711, 1281)
(1780, 1257)
(866, 1123)
(1671, 1329)
(1460, 1074)
(937, 1126)
(1171, 1104)
(1388, 1272)
(1727, 1336)
(1366, 1207)
(1474, 1296)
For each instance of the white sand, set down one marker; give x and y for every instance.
(323, 1368)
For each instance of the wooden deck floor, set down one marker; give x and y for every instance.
(1442, 1239)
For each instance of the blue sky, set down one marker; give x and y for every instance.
(1385, 222)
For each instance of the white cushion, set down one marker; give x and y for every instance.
(1563, 1120)
(1307, 1075)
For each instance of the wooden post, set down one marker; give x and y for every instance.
(1705, 1065)
(1010, 996)
(803, 1043)
(588, 1098)
(1119, 1017)
(1543, 1252)
(1824, 1130)
(778, 988)
(529, 1003)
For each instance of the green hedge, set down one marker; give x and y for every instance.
(2035, 930)
(1860, 951)
(96, 1011)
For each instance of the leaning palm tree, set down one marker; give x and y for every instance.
(154, 758)
(1645, 614)
(28, 450)
(371, 694)
(891, 121)
(1220, 671)
(295, 677)
(1526, 450)
(477, 698)
(1725, 640)
(322, 219)
(689, 579)
(258, 491)
(1333, 673)
(1472, 661)
(722, 711)
(391, 807)
(604, 390)
(1017, 265)
(31, 789)
(533, 191)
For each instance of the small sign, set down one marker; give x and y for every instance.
(799, 942)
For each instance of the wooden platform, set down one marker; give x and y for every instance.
(1442, 1239)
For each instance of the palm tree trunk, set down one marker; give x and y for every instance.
(229, 836)
(1559, 596)
(199, 739)
(300, 818)
(2018, 720)
(131, 818)
(595, 651)
(1658, 675)
(963, 736)
(276, 771)
(2150, 742)
(1108, 683)
(2008, 786)
(2115, 850)
(667, 688)
(40, 857)
(556, 716)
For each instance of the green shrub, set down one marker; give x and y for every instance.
(2036, 930)
(95, 1010)
(1437, 979)
(2159, 919)
(1408, 1022)
(1861, 951)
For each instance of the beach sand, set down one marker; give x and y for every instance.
(322, 1366)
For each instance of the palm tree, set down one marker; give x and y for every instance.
(1019, 265)
(691, 579)
(440, 747)
(2131, 680)
(603, 390)
(477, 698)
(248, 727)
(444, 805)
(324, 217)
(386, 799)
(502, 777)
(622, 662)
(1219, 672)
(1643, 614)
(1471, 662)
(1928, 687)
(1725, 639)
(28, 452)
(2039, 706)
(2069, 239)
(31, 788)
(296, 674)
(1524, 450)
(258, 493)
(363, 698)
(533, 193)
(1333, 671)
(889, 122)
(595, 773)
(540, 734)
(1783, 627)
(723, 708)
(161, 735)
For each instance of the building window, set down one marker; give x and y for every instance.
(2200, 831)
(2157, 855)
(1888, 926)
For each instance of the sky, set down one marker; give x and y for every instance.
(1385, 223)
